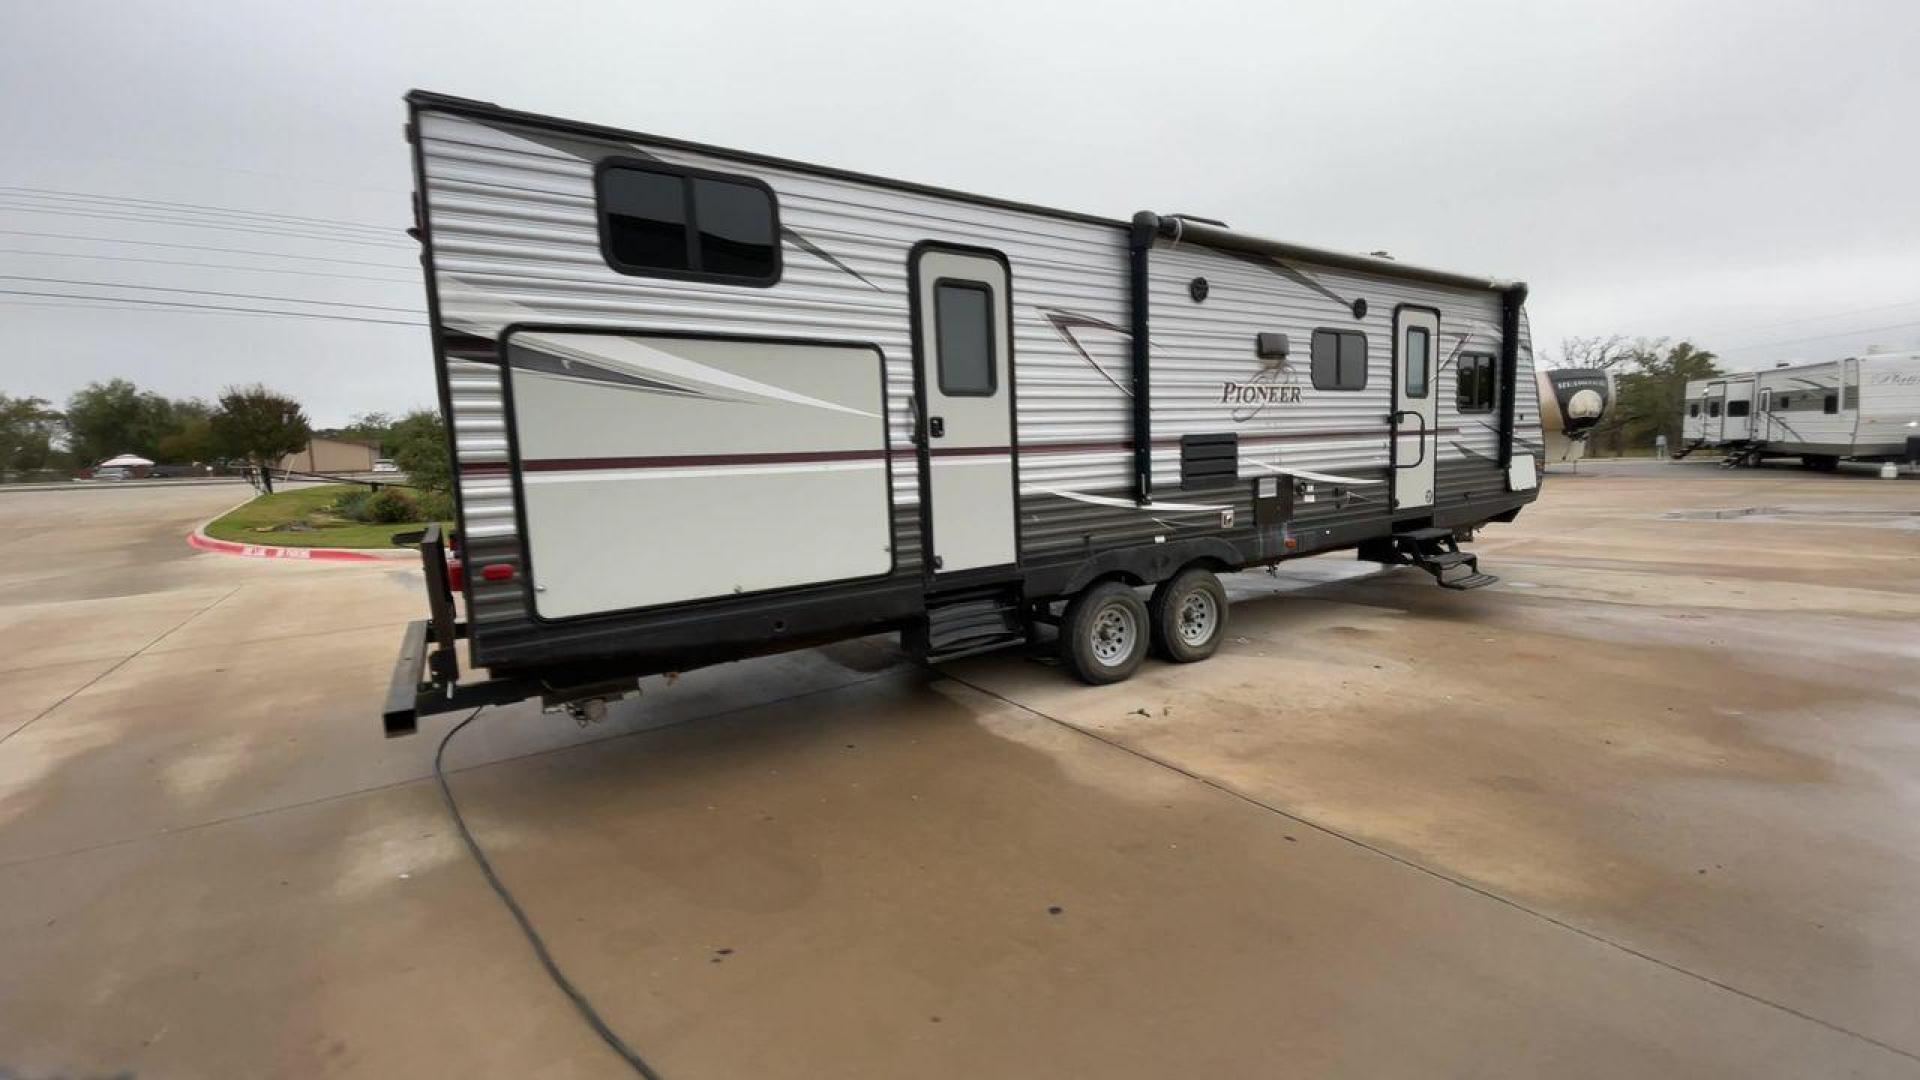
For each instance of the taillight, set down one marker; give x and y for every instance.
(497, 572)
(456, 575)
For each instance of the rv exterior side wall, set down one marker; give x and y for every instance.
(668, 460)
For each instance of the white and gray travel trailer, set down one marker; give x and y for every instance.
(706, 404)
(1573, 401)
(1861, 408)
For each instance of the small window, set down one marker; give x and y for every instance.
(1339, 360)
(1831, 405)
(1738, 408)
(1783, 403)
(659, 221)
(1693, 408)
(1713, 408)
(963, 321)
(1474, 391)
(1416, 361)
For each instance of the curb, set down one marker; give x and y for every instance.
(202, 541)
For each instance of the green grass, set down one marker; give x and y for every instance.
(265, 521)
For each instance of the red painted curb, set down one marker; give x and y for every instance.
(269, 551)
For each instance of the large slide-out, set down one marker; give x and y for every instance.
(706, 404)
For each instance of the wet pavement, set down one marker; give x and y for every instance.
(1646, 807)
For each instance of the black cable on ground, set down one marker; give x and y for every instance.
(580, 1002)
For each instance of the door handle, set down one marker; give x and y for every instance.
(936, 426)
(1394, 419)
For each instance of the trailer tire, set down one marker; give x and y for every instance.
(1104, 634)
(1189, 615)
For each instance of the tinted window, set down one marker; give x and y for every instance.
(1416, 362)
(1832, 404)
(646, 219)
(1713, 408)
(736, 228)
(1474, 391)
(1339, 360)
(1737, 408)
(1693, 408)
(663, 222)
(963, 320)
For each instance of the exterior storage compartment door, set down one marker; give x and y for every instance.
(659, 469)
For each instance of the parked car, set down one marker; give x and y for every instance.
(384, 465)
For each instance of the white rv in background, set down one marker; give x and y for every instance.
(1861, 408)
(705, 404)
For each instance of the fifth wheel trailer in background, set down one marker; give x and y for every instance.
(1573, 401)
(1861, 408)
(706, 404)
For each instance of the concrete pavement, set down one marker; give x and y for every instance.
(1645, 808)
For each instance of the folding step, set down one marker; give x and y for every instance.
(1437, 551)
(968, 623)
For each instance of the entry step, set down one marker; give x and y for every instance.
(966, 624)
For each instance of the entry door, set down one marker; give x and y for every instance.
(964, 368)
(1763, 424)
(1416, 434)
(1717, 411)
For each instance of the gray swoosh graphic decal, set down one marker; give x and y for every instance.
(526, 359)
(823, 255)
(1297, 277)
(1063, 323)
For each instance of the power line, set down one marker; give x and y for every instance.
(211, 266)
(200, 247)
(166, 305)
(202, 292)
(196, 208)
(1826, 337)
(1822, 318)
(149, 220)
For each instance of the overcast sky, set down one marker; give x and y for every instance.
(1744, 174)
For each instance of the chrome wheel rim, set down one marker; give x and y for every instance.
(1199, 617)
(1114, 634)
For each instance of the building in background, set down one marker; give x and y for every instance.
(325, 455)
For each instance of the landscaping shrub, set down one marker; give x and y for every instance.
(353, 505)
(391, 506)
(435, 506)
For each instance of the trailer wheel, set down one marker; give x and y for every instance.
(1104, 634)
(1189, 615)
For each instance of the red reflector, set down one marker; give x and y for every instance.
(496, 572)
(456, 575)
(1290, 543)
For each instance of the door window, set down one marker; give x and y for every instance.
(1416, 361)
(963, 329)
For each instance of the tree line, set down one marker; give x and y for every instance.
(246, 425)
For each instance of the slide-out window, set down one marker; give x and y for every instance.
(661, 221)
(1475, 384)
(1738, 408)
(1339, 360)
(963, 321)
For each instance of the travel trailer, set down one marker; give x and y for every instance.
(706, 404)
(1862, 408)
(1573, 401)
